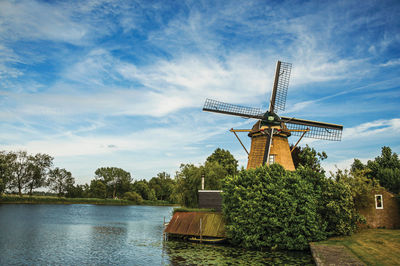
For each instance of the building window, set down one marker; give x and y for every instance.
(379, 201)
(271, 159)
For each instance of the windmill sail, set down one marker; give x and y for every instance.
(316, 130)
(278, 98)
(281, 85)
(231, 109)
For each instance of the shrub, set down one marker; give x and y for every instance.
(133, 196)
(274, 208)
(271, 207)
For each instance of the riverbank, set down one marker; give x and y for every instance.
(25, 199)
(370, 246)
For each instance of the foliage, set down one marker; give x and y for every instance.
(7, 198)
(214, 173)
(19, 167)
(142, 188)
(38, 169)
(188, 183)
(308, 157)
(5, 161)
(218, 165)
(19, 170)
(59, 180)
(116, 180)
(385, 168)
(225, 159)
(133, 196)
(271, 207)
(78, 191)
(336, 202)
(361, 187)
(163, 186)
(97, 189)
(275, 208)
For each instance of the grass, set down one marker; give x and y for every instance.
(184, 209)
(372, 246)
(25, 199)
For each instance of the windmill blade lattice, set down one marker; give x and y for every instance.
(282, 86)
(231, 109)
(316, 130)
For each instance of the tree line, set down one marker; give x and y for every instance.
(21, 172)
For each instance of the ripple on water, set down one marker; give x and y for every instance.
(110, 235)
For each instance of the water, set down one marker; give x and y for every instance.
(109, 235)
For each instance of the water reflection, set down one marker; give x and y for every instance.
(109, 235)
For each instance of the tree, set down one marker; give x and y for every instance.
(38, 168)
(114, 178)
(59, 180)
(225, 159)
(142, 188)
(133, 196)
(97, 189)
(19, 168)
(308, 157)
(386, 168)
(361, 187)
(357, 165)
(163, 186)
(214, 173)
(188, 183)
(5, 169)
(78, 191)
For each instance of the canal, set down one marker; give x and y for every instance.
(111, 235)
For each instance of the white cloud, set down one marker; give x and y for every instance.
(378, 128)
(39, 20)
(391, 63)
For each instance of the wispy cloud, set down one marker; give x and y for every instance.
(374, 128)
(112, 80)
(392, 62)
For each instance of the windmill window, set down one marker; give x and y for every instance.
(378, 201)
(271, 159)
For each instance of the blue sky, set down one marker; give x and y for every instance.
(122, 83)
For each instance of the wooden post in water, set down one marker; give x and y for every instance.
(164, 234)
(201, 233)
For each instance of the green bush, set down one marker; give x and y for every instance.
(274, 208)
(133, 196)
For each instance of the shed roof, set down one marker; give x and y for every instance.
(188, 223)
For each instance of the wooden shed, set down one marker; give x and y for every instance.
(210, 199)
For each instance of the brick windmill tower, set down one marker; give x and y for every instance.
(269, 135)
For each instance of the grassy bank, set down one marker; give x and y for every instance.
(25, 199)
(185, 209)
(372, 246)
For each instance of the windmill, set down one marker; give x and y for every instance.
(269, 135)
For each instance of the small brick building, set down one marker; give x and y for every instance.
(385, 213)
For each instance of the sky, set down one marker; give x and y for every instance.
(122, 83)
